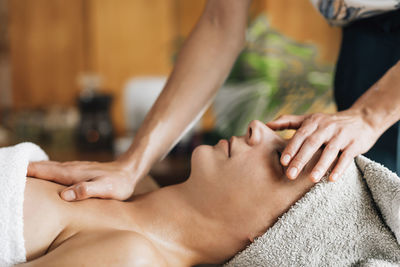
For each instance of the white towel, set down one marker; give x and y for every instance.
(352, 222)
(13, 169)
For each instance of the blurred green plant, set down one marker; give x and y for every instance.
(272, 73)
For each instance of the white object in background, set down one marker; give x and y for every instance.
(139, 96)
(140, 93)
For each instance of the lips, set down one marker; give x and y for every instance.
(230, 146)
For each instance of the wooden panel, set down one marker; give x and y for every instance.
(187, 14)
(130, 38)
(46, 51)
(5, 89)
(3, 27)
(299, 20)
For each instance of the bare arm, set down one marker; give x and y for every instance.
(352, 132)
(202, 66)
(380, 105)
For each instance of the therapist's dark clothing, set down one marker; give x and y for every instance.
(370, 47)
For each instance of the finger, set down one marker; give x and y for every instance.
(328, 156)
(296, 142)
(343, 162)
(85, 190)
(306, 152)
(287, 122)
(48, 170)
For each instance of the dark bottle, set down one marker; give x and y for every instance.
(95, 130)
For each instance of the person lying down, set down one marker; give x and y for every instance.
(237, 199)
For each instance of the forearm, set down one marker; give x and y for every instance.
(380, 105)
(202, 66)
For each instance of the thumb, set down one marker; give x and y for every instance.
(287, 122)
(85, 190)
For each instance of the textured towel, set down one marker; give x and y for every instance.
(13, 168)
(352, 222)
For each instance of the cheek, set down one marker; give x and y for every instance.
(253, 169)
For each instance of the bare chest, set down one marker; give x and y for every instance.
(49, 221)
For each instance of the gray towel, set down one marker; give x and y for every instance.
(352, 222)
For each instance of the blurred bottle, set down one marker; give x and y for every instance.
(95, 129)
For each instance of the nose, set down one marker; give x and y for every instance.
(256, 131)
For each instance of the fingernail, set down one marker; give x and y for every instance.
(286, 159)
(334, 177)
(69, 195)
(315, 175)
(292, 172)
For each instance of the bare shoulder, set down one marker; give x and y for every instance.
(103, 248)
(41, 230)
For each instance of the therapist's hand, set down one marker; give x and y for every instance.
(345, 133)
(87, 179)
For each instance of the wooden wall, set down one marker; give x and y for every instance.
(299, 20)
(54, 41)
(129, 38)
(46, 51)
(5, 85)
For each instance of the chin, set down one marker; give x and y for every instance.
(200, 156)
(200, 152)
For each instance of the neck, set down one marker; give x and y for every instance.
(184, 233)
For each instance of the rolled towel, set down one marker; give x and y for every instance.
(354, 221)
(13, 169)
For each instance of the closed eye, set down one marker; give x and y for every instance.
(279, 153)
